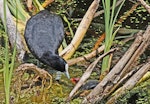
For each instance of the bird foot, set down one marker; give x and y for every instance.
(38, 73)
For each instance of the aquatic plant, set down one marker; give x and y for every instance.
(8, 62)
(110, 16)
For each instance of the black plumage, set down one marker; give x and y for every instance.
(44, 34)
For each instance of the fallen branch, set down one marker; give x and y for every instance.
(144, 78)
(124, 79)
(70, 49)
(130, 83)
(87, 73)
(120, 69)
(87, 56)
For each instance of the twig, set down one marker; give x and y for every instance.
(127, 14)
(120, 69)
(70, 49)
(99, 41)
(124, 79)
(87, 73)
(131, 82)
(87, 56)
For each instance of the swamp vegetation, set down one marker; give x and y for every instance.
(88, 32)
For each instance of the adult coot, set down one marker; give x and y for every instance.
(44, 34)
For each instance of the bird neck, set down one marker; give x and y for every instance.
(58, 63)
(54, 61)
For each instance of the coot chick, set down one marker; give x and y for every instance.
(44, 34)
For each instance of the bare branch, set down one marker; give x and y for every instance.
(84, 25)
(131, 82)
(87, 73)
(87, 56)
(121, 68)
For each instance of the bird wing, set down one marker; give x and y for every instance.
(44, 33)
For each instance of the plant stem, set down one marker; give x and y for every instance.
(110, 19)
(8, 68)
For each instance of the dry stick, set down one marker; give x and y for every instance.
(123, 80)
(114, 72)
(12, 33)
(131, 82)
(134, 57)
(70, 49)
(119, 70)
(127, 14)
(146, 6)
(99, 41)
(87, 56)
(138, 52)
(87, 73)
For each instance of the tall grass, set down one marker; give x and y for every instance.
(110, 16)
(18, 12)
(8, 69)
(9, 62)
(17, 9)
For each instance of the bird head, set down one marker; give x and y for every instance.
(63, 67)
(56, 62)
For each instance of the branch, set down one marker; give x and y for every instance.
(131, 82)
(121, 68)
(87, 73)
(87, 56)
(84, 25)
(13, 34)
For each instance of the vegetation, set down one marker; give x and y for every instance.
(138, 95)
(8, 61)
(72, 12)
(110, 18)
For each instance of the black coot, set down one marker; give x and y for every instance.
(44, 34)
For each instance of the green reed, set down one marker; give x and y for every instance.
(110, 16)
(9, 61)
